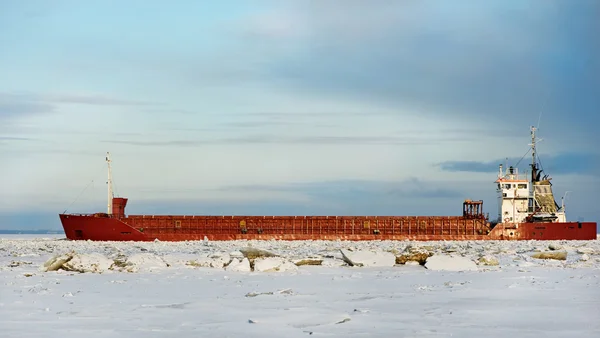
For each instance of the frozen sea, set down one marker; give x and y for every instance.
(166, 296)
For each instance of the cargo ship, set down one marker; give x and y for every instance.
(527, 210)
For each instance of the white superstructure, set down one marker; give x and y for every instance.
(520, 196)
(514, 196)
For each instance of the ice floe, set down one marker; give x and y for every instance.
(47, 255)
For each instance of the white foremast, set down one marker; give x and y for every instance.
(110, 186)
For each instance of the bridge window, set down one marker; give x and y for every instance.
(522, 186)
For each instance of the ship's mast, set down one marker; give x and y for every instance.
(533, 162)
(534, 169)
(109, 183)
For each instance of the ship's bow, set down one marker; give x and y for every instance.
(99, 227)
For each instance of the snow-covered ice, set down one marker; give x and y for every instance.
(51, 287)
(450, 263)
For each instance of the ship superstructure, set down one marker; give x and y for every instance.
(527, 198)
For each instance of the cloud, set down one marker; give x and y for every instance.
(93, 99)
(14, 106)
(276, 139)
(336, 197)
(271, 24)
(351, 189)
(7, 140)
(306, 140)
(45, 101)
(261, 124)
(501, 59)
(566, 163)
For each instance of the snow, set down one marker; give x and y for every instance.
(156, 290)
(368, 258)
(271, 264)
(450, 263)
(488, 260)
(92, 262)
(145, 262)
(237, 265)
(218, 260)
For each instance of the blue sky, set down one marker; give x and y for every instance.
(292, 107)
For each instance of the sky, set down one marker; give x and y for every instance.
(350, 107)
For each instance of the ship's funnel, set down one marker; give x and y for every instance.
(119, 204)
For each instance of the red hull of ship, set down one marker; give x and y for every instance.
(101, 227)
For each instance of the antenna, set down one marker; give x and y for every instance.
(109, 183)
(563, 200)
(533, 129)
(534, 167)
